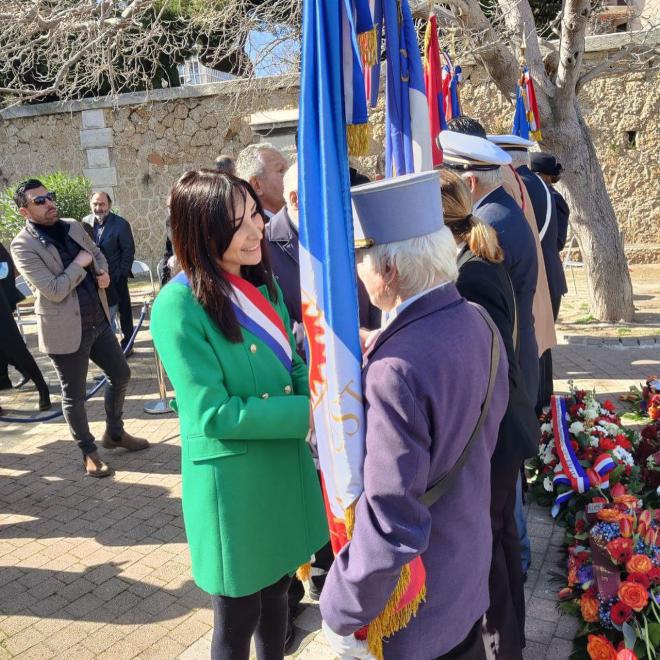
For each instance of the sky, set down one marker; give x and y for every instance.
(273, 63)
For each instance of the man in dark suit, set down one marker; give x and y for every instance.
(114, 236)
(12, 347)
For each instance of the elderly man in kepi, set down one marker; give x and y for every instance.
(546, 221)
(424, 511)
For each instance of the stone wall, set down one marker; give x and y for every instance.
(137, 146)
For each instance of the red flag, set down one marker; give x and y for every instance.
(433, 83)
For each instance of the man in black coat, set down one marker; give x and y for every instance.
(12, 347)
(114, 236)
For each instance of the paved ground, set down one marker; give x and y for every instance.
(100, 569)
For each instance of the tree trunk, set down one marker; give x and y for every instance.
(592, 215)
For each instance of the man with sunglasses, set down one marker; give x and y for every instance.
(68, 274)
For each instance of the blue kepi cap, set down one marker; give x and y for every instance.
(397, 209)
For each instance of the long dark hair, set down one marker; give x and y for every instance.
(203, 220)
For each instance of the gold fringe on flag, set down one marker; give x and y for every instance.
(304, 572)
(357, 136)
(368, 47)
(390, 621)
(536, 135)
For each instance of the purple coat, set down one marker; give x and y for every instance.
(424, 382)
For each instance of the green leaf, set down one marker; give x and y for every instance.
(629, 635)
(654, 634)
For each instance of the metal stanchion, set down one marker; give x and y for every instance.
(161, 406)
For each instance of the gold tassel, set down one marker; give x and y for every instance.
(357, 136)
(536, 135)
(304, 572)
(349, 520)
(367, 43)
(390, 621)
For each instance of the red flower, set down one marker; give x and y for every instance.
(626, 654)
(621, 613)
(620, 550)
(634, 595)
(640, 578)
(618, 489)
(609, 406)
(607, 444)
(654, 575)
(580, 525)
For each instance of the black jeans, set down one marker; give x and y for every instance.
(99, 344)
(262, 614)
(125, 309)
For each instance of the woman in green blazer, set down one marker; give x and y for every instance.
(252, 505)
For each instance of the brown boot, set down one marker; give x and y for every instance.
(95, 467)
(127, 441)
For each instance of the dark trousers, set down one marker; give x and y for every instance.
(99, 344)
(14, 351)
(262, 614)
(546, 384)
(471, 648)
(125, 309)
(505, 618)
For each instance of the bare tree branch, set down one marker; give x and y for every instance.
(71, 48)
(639, 53)
(573, 30)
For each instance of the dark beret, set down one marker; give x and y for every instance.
(545, 163)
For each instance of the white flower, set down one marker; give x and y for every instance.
(546, 428)
(594, 441)
(558, 468)
(657, 490)
(576, 427)
(623, 456)
(609, 428)
(547, 484)
(650, 461)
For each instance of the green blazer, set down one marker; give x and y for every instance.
(252, 503)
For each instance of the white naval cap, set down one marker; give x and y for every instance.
(396, 209)
(511, 142)
(470, 153)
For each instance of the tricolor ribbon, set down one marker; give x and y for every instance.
(573, 474)
(256, 314)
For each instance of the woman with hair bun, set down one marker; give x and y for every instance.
(483, 279)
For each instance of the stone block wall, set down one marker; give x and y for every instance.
(136, 146)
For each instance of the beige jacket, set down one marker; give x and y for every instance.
(544, 322)
(56, 306)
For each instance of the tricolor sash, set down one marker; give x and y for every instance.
(257, 315)
(572, 473)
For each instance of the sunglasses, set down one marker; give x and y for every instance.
(39, 200)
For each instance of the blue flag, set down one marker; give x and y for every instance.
(327, 269)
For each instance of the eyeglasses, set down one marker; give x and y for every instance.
(39, 200)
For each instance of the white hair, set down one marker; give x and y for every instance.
(421, 262)
(249, 163)
(485, 177)
(519, 158)
(291, 181)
